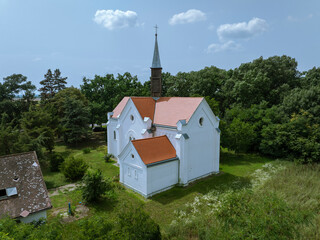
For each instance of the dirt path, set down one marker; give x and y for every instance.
(68, 187)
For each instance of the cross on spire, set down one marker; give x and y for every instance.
(156, 27)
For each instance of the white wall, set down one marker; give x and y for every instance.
(34, 217)
(162, 176)
(125, 128)
(112, 143)
(133, 170)
(201, 150)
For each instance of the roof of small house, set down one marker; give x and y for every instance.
(22, 173)
(156, 149)
(165, 111)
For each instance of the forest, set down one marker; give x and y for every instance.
(266, 106)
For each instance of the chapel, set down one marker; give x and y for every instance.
(160, 142)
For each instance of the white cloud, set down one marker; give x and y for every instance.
(111, 19)
(219, 47)
(37, 59)
(190, 16)
(242, 30)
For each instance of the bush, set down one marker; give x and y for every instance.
(108, 157)
(134, 223)
(56, 160)
(74, 168)
(95, 228)
(86, 150)
(95, 186)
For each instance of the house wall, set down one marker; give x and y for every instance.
(202, 149)
(170, 133)
(162, 176)
(125, 128)
(112, 143)
(132, 170)
(34, 217)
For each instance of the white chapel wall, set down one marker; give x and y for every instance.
(162, 176)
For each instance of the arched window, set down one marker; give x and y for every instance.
(114, 135)
(201, 121)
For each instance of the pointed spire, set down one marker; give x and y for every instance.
(156, 57)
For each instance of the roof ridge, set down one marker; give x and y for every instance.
(16, 154)
(139, 140)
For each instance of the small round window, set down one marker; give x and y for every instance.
(131, 117)
(201, 121)
(132, 155)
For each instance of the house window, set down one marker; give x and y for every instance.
(131, 118)
(129, 174)
(3, 193)
(131, 138)
(135, 174)
(114, 135)
(201, 121)
(132, 155)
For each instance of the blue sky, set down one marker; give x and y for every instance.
(84, 38)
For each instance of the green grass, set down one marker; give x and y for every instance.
(232, 168)
(161, 207)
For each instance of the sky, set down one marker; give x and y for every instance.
(84, 38)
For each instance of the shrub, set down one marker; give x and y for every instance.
(95, 186)
(86, 150)
(74, 168)
(56, 160)
(108, 157)
(134, 223)
(95, 228)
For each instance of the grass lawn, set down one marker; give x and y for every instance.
(161, 207)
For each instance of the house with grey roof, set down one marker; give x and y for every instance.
(23, 192)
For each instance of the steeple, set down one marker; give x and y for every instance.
(156, 57)
(156, 69)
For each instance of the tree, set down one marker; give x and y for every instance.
(52, 84)
(74, 168)
(75, 121)
(104, 93)
(95, 186)
(38, 124)
(58, 81)
(13, 85)
(238, 135)
(9, 137)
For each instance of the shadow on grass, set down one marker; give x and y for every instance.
(96, 140)
(231, 159)
(221, 182)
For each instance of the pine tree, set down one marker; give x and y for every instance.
(75, 121)
(58, 81)
(52, 84)
(47, 91)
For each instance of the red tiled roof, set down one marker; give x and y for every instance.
(164, 111)
(120, 107)
(145, 106)
(154, 149)
(169, 110)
